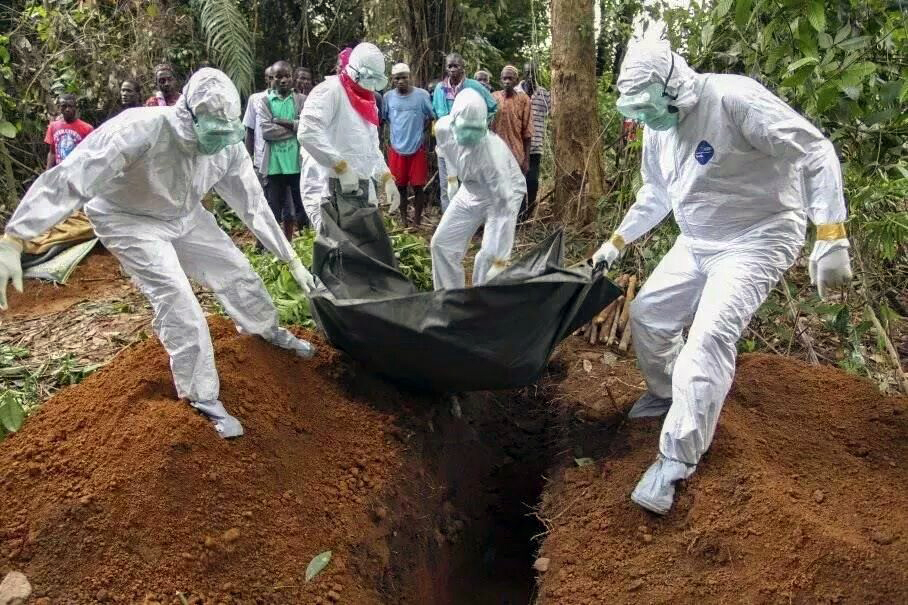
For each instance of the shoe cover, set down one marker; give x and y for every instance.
(656, 490)
(226, 425)
(649, 405)
(285, 340)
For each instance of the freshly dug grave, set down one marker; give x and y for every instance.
(801, 499)
(116, 492)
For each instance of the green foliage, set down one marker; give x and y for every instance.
(25, 387)
(840, 62)
(291, 302)
(229, 40)
(411, 251)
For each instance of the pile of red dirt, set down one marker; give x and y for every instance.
(114, 491)
(97, 276)
(801, 499)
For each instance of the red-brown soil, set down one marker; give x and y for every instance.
(97, 276)
(801, 499)
(114, 491)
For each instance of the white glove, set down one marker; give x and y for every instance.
(607, 253)
(349, 181)
(302, 276)
(453, 186)
(392, 194)
(10, 267)
(830, 265)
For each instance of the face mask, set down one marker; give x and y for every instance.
(650, 107)
(369, 79)
(468, 134)
(215, 134)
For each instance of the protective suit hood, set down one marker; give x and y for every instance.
(209, 92)
(367, 67)
(470, 108)
(649, 62)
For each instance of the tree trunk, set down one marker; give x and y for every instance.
(578, 132)
(426, 27)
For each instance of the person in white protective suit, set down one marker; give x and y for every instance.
(742, 172)
(485, 186)
(141, 177)
(338, 127)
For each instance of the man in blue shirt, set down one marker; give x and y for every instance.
(408, 111)
(443, 100)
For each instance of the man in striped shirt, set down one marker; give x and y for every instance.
(541, 107)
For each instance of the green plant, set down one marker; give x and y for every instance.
(412, 252)
(229, 40)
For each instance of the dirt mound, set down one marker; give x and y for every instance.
(115, 492)
(97, 276)
(801, 499)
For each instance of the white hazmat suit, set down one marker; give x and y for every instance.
(490, 192)
(339, 139)
(731, 171)
(141, 178)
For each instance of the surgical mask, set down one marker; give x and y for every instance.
(467, 134)
(215, 134)
(650, 107)
(369, 78)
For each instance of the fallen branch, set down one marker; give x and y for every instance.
(614, 330)
(628, 299)
(900, 377)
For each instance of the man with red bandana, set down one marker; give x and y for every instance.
(339, 125)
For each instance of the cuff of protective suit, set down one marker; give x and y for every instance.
(823, 247)
(618, 242)
(12, 241)
(341, 167)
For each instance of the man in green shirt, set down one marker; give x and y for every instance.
(279, 111)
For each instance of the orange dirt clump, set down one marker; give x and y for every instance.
(801, 499)
(114, 491)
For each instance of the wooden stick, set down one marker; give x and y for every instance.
(594, 333)
(890, 349)
(625, 338)
(604, 313)
(629, 298)
(614, 331)
(607, 323)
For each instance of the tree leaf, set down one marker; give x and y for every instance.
(318, 563)
(12, 415)
(706, 35)
(7, 130)
(855, 43)
(852, 92)
(816, 14)
(827, 96)
(584, 461)
(825, 40)
(842, 33)
(797, 78)
(723, 7)
(801, 63)
(743, 9)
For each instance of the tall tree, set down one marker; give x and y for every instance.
(578, 132)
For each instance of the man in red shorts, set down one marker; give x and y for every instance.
(408, 112)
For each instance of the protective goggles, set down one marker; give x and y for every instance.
(369, 78)
(215, 134)
(468, 133)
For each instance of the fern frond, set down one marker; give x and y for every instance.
(229, 40)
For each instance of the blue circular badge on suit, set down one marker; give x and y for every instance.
(704, 152)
